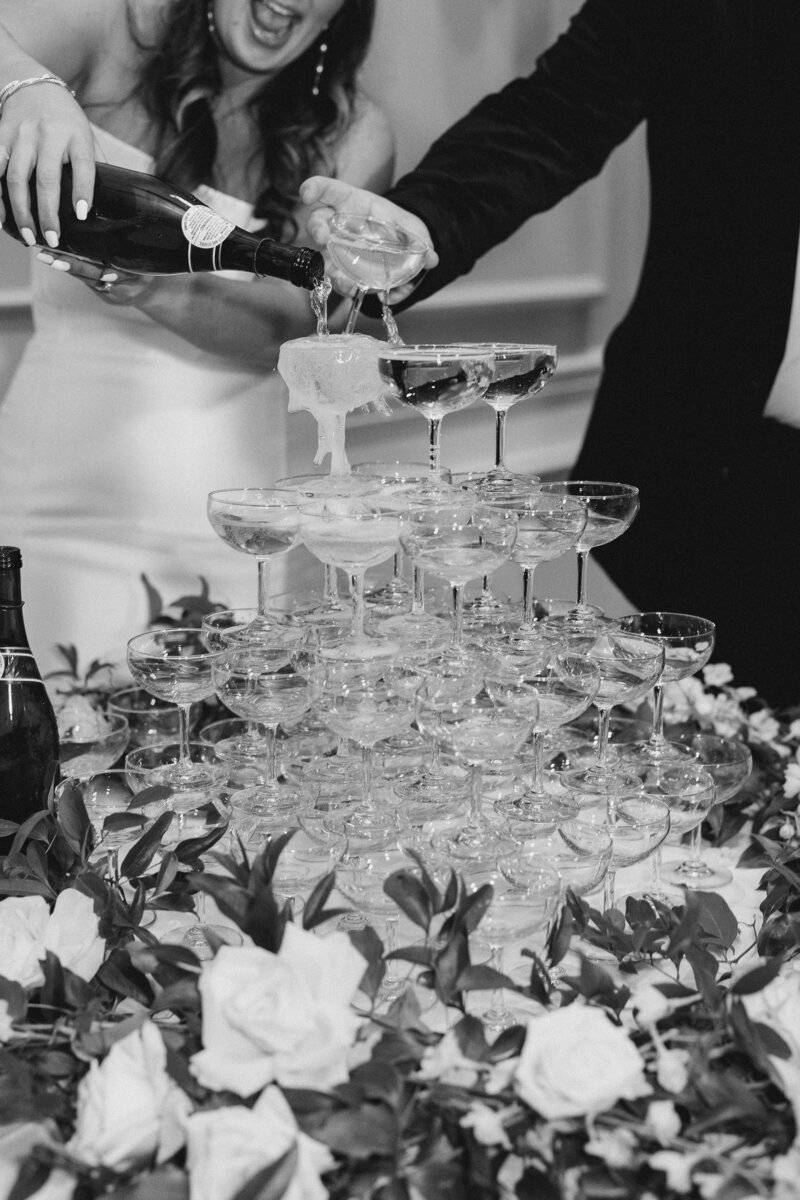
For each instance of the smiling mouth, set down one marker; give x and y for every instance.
(273, 21)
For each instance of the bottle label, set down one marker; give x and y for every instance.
(204, 228)
(18, 666)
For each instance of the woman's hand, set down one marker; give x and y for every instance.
(112, 286)
(42, 127)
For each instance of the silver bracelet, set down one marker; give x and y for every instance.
(16, 85)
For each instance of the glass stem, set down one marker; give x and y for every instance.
(603, 720)
(500, 437)
(657, 736)
(458, 614)
(435, 763)
(397, 569)
(583, 567)
(475, 818)
(497, 1008)
(418, 584)
(183, 732)
(271, 731)
(528, 596)
(263, 587)
(434, 431)
(537, 762)
(694, 863)
(330, 589)
(367, 776)
(608, 890)
(357, 589)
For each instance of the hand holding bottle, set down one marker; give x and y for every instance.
(42, 127)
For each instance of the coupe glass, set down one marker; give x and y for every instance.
(149, 719)
(398, 481)
(688, 791)
(436, 379)
(459, 542)
(175, 665)
(729, 762)
(91, 742)
(610, 510)
(247, 683)
(475, 731)
(366, 709)
(106, 796)
(688, 642)
(521, 370)
(637, 824)
(525, 895)
(437, 787)
(262, 522)
(376, 256)
(629, 666)
(352, 533)
(549, 526)
(565, 687)
(360, 876)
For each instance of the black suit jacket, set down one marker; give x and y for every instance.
(688, 370)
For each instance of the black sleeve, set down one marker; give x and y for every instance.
(521, 150)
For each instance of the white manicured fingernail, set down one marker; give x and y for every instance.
(60, 265)
(81, 210)
(27, 237)
(51, 237)
(109, 277)
(44, 257)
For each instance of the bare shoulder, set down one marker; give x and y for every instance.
(66, 36)
(364, 155)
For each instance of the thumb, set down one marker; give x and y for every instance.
(320, 190)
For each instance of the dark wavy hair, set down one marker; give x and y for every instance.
(181, 76)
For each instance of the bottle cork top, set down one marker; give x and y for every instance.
(9, 557)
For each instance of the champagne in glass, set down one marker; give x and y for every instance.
(436, 380)
(521, 370)
(610, 510)
(376, 256)
(264, 523)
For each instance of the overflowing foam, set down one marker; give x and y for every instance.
(330, 376)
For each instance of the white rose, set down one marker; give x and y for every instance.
(6, 1023)
(23, 920)
(487, 1125)
(16, 1144)
(285, 1017)
(663, 1121)
(129, 1110)
(778, 1005)
(73, 934)
(228, 1146)
(717, 674)
(649, 1004)
(574, 1062)
(672, 1069)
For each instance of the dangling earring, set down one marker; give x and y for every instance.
(212, 25)
(319, 69)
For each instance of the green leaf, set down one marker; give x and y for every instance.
(140, 855)
(411, 897)
(757, 979)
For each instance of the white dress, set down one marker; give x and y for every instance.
(112, 433)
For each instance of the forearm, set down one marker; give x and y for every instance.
(520, 151)
(243, 321)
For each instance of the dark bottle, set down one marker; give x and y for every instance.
(28, 730)
(142, 224)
